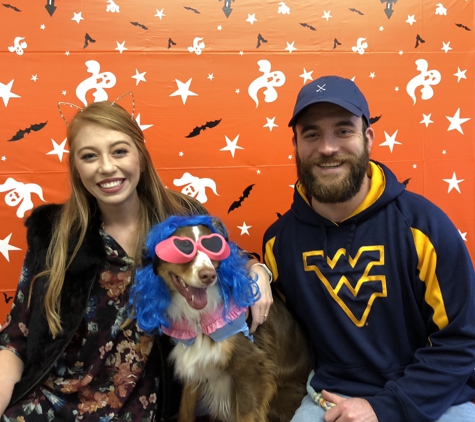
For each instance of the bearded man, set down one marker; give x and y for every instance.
(379, 276)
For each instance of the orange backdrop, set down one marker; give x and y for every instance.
(215, 82)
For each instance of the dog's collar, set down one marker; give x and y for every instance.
(212, 324)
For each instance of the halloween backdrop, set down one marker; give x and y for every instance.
(215, 82)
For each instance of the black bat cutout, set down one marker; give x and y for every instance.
(9, 6)
(197, 130)
(374, 119)
(7, 298)
(418, 40)
(463, 26)
(278, 214)
(306, 25)
(87, 40)
(193, 10)
(335, 43)
(260, 39)
(139, 24)
(171, 42)
(238, 203)
(357, 11)
(21, 133)
(406, 181)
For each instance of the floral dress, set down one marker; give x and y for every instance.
(106, 373)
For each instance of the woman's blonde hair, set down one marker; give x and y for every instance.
(156, 202)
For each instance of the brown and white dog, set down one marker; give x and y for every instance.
(237, 379)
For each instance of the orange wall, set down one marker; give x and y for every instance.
(411, 58)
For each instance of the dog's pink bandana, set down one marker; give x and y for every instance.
(212, 324)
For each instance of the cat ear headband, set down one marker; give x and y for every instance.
(61, 104)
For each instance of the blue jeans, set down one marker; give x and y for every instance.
(309, 411)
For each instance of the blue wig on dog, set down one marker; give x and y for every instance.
(150, 296)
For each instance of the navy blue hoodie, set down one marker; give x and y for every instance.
(387, 296)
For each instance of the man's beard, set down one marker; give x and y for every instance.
(338, 191)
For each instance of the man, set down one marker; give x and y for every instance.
(379, 276)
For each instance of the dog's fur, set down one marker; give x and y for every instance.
(237, 379)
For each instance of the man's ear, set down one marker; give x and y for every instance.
(370, 136)
(294, 141)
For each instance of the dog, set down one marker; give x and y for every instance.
(196, 289)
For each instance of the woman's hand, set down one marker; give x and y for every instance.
(260, 309)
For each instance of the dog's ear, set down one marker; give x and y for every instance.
(220, 228)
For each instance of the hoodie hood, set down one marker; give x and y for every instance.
(384, 188)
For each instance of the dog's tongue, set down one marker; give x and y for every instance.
(196, 298)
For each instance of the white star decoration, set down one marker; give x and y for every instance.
(453, 183)
(139, 77)
(210, 76)
(231, 145)
(160, 14)
(326, 15)
(426, 119)
(34, 78)
(58, 149)
(6, 92)
(463, 235)
(77, 17)
(244, 228)
(456, 122)
(183, 90)
(446, 47)
(307, 76)
(121, 47)
(251, 18)
(460, 74)
(142, 127)
(390, 141)
(410, 19)
(270, 123)
(5, 247)
(290, 47)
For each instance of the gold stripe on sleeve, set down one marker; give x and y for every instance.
(427, 265)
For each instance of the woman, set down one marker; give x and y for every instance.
(68, 351)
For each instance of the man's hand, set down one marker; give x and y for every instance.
(348, 410)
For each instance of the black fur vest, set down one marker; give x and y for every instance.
(42, 350)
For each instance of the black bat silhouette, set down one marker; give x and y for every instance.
(406, 181)
(197, 130)
(278, 214)
(9, 6)
(238, 203)
(374, 119)
(260, 39)
(7, 298)
(21, 133)
(87, 40)
(357, 11)
(463, 26)
(306, 25)
(171, 42)
(418, 40)
(139, 24)
(335, 43)
(193, 10)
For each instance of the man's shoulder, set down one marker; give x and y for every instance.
(279, 224)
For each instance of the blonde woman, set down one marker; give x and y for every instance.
(67, 350)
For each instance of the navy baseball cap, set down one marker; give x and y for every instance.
(332, 89)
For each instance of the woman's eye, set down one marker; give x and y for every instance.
(120, 151)
(87, 156)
